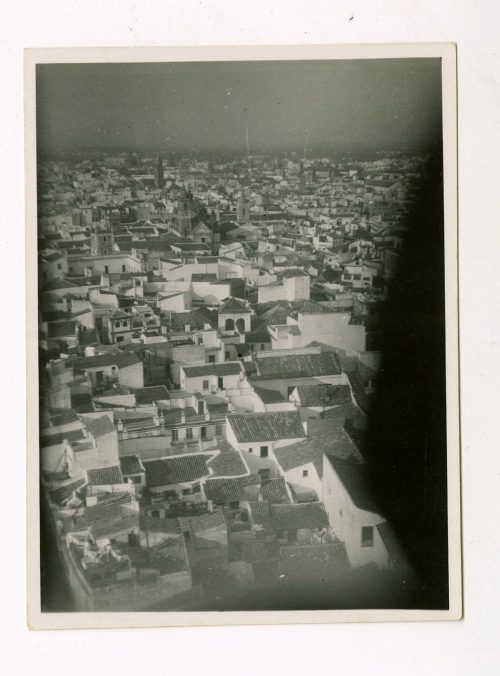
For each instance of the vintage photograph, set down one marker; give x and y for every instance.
(245, 334)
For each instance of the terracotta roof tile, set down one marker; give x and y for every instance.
(270, 426)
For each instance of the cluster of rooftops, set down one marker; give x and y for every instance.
(204, 393)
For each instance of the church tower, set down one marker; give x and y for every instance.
(242, 209)
(159, 177)
(183, 215)
(101, 239)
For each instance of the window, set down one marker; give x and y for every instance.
(367, 536)
(211, 358)
(123, 268)
(104, 238)
(201, 408)
(220, 383)
(125, 322)
(117, 325)
(189, 433)
(305, 472)
(119, 339)
(262, 346)
(250, 450)
(70, 269)
(203, 432)
(175, 435)
(218, 430)
(186, 491)
(106, 269)
(264, 451)
(205, 384)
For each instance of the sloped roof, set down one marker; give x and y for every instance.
(121, 360)
(228, 490)
(269, 396)
(321, 561)
(104, 476)
(100, 426)
(176, 469)
(225, 369)
(325, 437)
(274, 491)
(233, 305)
(228, 463)
(270, 426)
(296, 516)
(148, 395)
(298, 366)
(130, 464)
(324, 394)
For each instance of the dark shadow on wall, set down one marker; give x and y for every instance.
(406, 444)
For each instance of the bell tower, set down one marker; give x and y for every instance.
(159, 176)
(183, 216)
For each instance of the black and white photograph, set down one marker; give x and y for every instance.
(245, 332)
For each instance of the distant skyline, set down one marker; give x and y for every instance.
(372, 104)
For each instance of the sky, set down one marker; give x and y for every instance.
(374, 103)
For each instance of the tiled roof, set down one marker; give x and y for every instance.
(324, 395)
(253, 550)
(274, 491)
(228, 463)
(308, 307)
(121, 360)
(298, 366)
(58, 495)
(293, 272)
(100, 426)
(226, 369)
(130, 464)
(321, 561)
(270, 426)
(269, 396)
(148, 395)
(115, 515)
(234, 306)
(228, 490)
(104, 476)
(325, 437)
(296, 516)
(203, 522)
(174, 470)
(62, 416)
(354, 478)
(57, 438)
